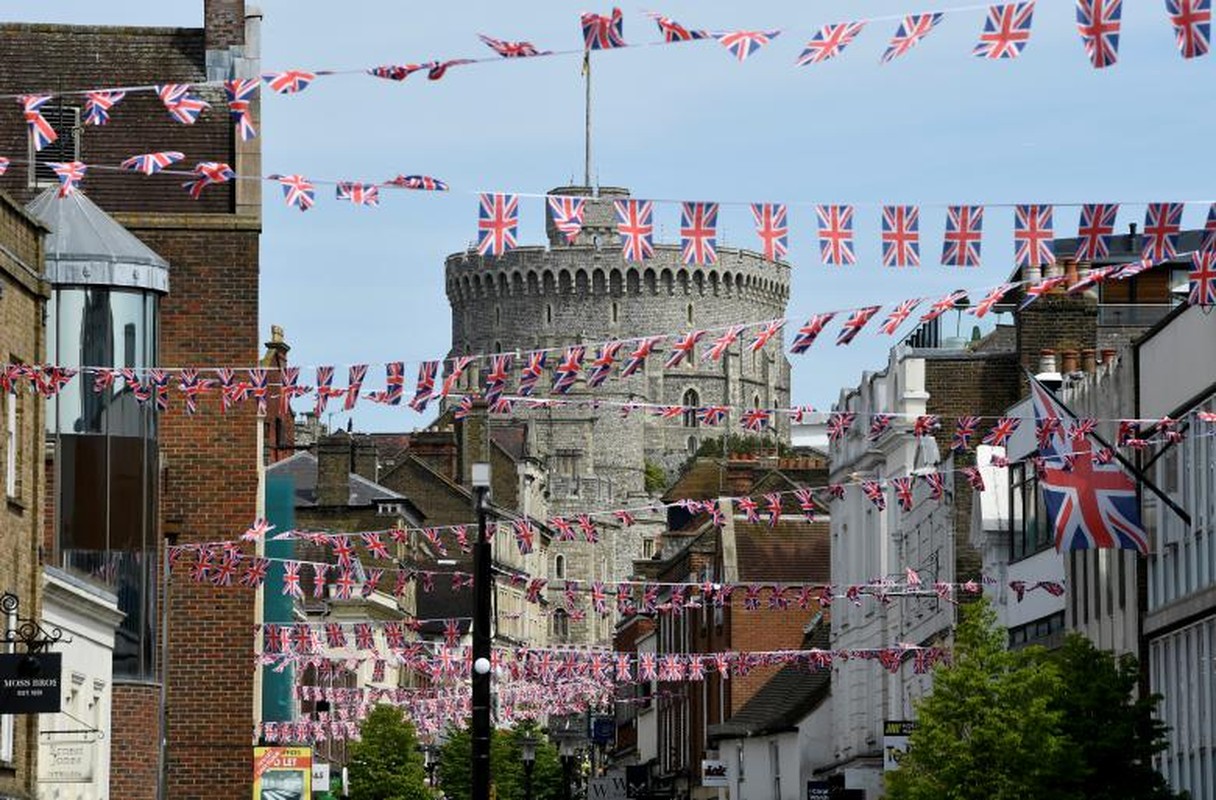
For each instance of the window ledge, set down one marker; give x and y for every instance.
(17, 507)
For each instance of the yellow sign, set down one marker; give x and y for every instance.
(282, 772)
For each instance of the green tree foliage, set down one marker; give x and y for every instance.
(1059, 725)
(506, 764)
(989, 729)
(1111, 728)
(655, 478)
(386, 763)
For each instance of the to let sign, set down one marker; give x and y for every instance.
(30, 684)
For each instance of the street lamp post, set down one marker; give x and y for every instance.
(482, 591)
(527, 746)
(567, 754)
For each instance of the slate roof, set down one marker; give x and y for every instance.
(785, 700)
(302, 468)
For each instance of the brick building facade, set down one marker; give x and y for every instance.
(23, 297)
(207, 476)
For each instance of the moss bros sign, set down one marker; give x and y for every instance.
(31, 683)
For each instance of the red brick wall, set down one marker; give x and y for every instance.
(133, 744)
(210, 318)
(762, 629)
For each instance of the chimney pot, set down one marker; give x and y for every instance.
(1089, 360)
(1047, 360)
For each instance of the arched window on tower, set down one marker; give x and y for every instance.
(690, 313)
(561, 625)
(548, 313)
(559, 567)
(755, 401)
(616, 313)
(691, 402)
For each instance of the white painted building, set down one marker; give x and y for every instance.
(1175, 366)
(868, 543)
(74, 745)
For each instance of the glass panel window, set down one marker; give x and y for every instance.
(1030, 532)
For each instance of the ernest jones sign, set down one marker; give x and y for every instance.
(30, 684)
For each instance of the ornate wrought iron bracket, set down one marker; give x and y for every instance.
(28, 632)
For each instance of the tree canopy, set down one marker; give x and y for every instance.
(386, 763)
(506, 765)
(1058, 725)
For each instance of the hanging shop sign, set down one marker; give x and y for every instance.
(30, 683)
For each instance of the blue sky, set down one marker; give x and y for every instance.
(686, 121)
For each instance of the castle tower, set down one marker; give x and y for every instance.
(586, 293)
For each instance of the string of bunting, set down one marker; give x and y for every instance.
(1005, 34)
(498, 222)
(237, 385)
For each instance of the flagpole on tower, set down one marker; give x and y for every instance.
(587, 122)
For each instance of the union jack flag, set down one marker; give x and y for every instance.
(1006, 31)
(455, 371)
(836, 235)
(879, 424)
(1032, 236)
(497, 223)
(698, 233)
(937, 484)
(712, 415)
(602, 32)
(1000, 433)
(335, 636)
(900, 236)
(418, 182)
(240, 93)
(291, 579)
(425, 388)
(903, 492)
(325, 389)
(723, 343)
(625, 518)
(359, 194)
(1041, 288)
(298, 191)
(964, 430)
(4, 162)
(208, 173)
(912, 29)
(567, 215)
(1082, 428)
(897, 316)
(152, 163)
(601, 367)
(636, 228)
(259, 388)
(964, 231)
(829, 42)
(1192, 21)
(772, 229)
(742, 44)
(354, 384)
(496, 378)
(440, 68)
(874, 493)
(1098, 23)
(398, 72)
(806, 503)
(683, 348)
(566, 372)
(525, 535)
(70, 174)
(763, 337)
(1162, 223)
(289, 81)
(181, 105)
(853, 325)
(531, 374)
(587, 526)
(97, 106)
(675, 32)
(1090, 505)
(1095, 229)
(637, 359)
(991, 299)
(1202, 279)
(510, 49)
(757, 419)
(1209, 228)
(255, 572)
(1045, 429)
(191, 385)
(942, 306)
(839, 423)
(926, 425)
(42, 132)
(749, 508)
(809, 332)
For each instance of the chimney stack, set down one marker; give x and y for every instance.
(333, 470)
